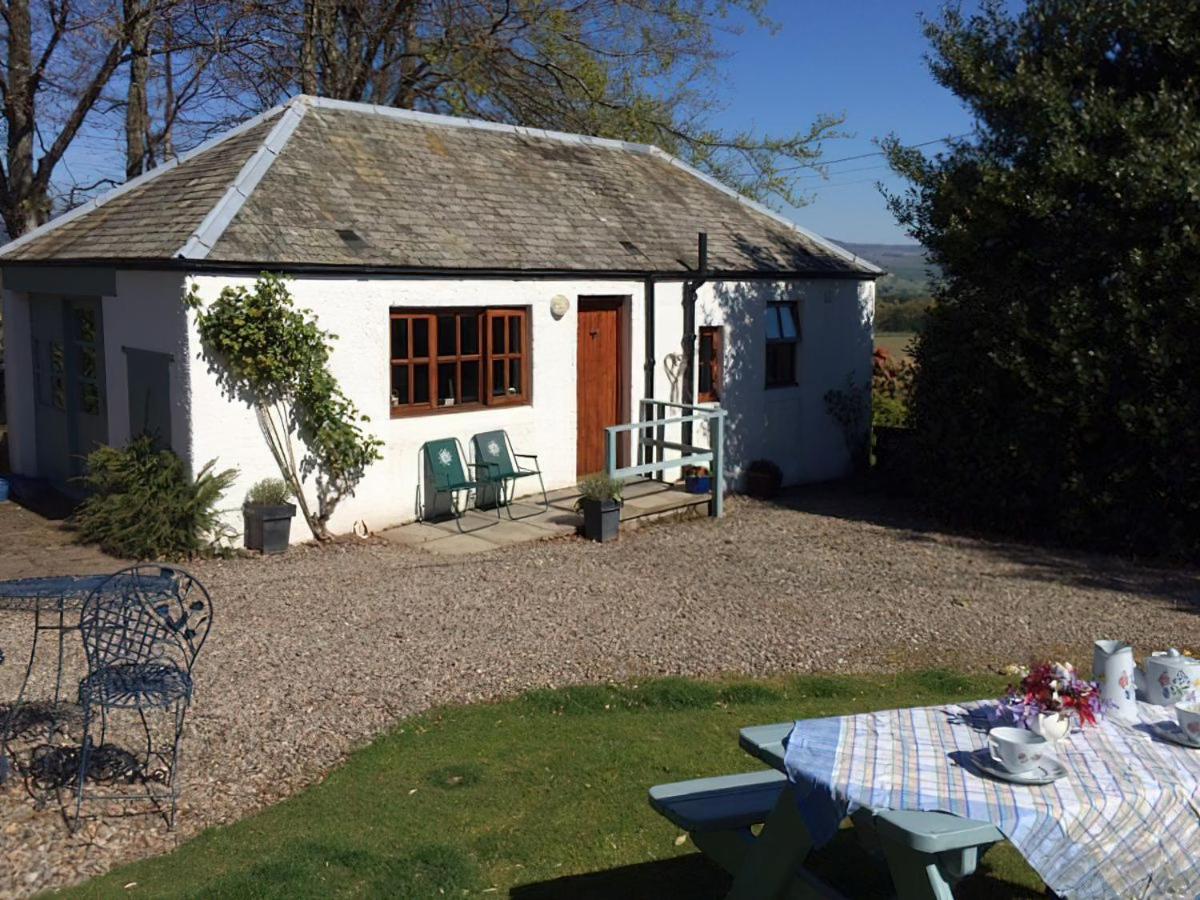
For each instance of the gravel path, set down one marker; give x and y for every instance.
(313, 654)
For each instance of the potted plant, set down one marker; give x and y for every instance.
(697, 479)
(268, 516)
(763, 479)
(1050, 696)
(600, 502)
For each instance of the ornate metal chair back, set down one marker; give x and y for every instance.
(146, 614)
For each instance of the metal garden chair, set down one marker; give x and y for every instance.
(445, 465)
(505, 470)
(142, 631)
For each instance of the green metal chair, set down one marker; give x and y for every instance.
(444, 464)
(503, 469)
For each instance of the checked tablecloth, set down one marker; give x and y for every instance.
(1124, 822)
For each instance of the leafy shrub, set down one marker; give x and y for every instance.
(599, 487)
(142, 504)
(891, 390)
(1056, 392)
(269, 492)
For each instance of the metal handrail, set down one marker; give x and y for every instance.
(655, 445)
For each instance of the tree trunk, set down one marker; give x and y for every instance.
(308, 52)
(21, 204)
(139, 13)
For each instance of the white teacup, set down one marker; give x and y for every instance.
(1188, 716)
(1017, 749)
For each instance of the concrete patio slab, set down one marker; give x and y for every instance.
(645, 500)
(458, 545)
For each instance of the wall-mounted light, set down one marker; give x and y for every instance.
(559, 306)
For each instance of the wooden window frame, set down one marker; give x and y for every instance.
(716, 363)
(792, 342)
(484, 357)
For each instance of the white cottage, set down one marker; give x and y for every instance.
(479, 276)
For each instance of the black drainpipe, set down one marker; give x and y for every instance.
(690, 289)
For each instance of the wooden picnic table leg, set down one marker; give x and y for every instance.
(774, 863)
(927, 876)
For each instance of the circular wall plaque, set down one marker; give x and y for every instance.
(559, 306)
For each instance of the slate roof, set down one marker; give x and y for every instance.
(326, 183)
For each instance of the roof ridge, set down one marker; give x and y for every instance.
(133, 183)
(201, 241)
(424, 118)
(412, 115)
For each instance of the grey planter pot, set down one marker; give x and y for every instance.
(601, 520)
(268, 528)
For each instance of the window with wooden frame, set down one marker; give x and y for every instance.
(710, 364)
(452, 359)
(783, 337)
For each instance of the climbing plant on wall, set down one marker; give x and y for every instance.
(270, 354)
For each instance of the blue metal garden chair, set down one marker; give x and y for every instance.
(504, 469)
(142, 631)
(444, 464)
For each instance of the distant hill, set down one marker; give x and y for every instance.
(906, 266)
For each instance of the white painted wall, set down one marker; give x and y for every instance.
(145, 313)
(789, 425)
(18, 384)
(357, 311)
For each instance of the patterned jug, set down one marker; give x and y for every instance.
(1113, 667)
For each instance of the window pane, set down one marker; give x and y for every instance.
(58, 392)
(498, 378)
(399, 338)
(498, 335)
(89, 398)
(87, 362)
(399, 385)
(447, 336)
(781, 364)
(470, 382)
(705, 365)
(58, 364)
(514, 376)
(514, 334)
(773, 330)
(85, 319)
(447, 376)
(787, 316)
(469, 325)
(420, 337)
(420, 379)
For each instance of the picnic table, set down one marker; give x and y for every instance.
(1123, 822)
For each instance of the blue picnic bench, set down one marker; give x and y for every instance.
(926, 852)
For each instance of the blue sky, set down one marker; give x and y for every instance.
(861, 58)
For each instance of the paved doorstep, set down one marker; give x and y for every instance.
(482, 533)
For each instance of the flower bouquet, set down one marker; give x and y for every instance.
(1049, 696)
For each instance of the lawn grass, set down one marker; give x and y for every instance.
(895, 342)
(539, 797)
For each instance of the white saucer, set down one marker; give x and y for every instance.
(1170, 731)
(1045, 772)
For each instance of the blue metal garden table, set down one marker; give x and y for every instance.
(50, 600)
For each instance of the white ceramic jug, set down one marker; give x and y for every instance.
(1113, 668)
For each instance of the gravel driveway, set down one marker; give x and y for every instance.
(314, 653)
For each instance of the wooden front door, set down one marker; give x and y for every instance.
(598, 386)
